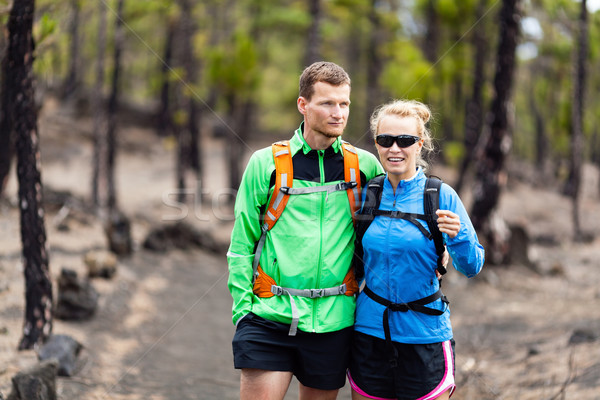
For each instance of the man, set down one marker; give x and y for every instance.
(294, 308)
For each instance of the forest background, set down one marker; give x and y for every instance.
(223, 71)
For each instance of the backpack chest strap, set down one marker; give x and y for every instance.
(410, 217)
(315, 189)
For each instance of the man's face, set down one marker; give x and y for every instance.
(326, 113)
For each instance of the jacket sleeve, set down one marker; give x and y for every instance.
(251, 196)
(467, 253)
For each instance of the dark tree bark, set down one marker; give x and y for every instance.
(72, 79)
(112, 108)
(474, 106)
(541, 139)
(432, 35)
(491, 174)
(99, 178)
(374, 66)
(188, 154)
(23, 114)
(190, 64)
(164, 125)
(313, 42)
(577, 109)
(7, 145)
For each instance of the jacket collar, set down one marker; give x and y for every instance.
(407, 183)
(299, 143)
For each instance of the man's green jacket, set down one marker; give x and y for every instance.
(310, 246)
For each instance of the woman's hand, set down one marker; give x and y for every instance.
(448, 222)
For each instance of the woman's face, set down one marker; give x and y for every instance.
(399, 163)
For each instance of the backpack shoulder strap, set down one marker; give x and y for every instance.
(373, 189)
(284, 176)
(352, 174)
(431, 203)
(364, 217)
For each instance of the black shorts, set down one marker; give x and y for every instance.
(318, 360)
(424, 371)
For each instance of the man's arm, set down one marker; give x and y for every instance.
(246, 231)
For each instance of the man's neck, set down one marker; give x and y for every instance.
(316, 140)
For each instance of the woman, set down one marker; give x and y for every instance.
(401, 301)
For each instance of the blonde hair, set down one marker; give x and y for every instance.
(407, 108)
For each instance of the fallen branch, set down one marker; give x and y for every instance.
(567, 382)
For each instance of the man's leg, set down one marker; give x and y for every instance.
(307, 393)
(258, 384)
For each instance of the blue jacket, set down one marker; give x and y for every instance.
(400, 264)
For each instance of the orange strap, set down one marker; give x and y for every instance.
(351, 283)
(352, 173)
(284, 176)
(262, 284)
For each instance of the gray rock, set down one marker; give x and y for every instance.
(77, 299)
(101, 264)
(63, 348)
(37, 383)
(118, 234)
(583, 336)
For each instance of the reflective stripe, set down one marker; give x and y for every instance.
(355, 189)
(282, 152)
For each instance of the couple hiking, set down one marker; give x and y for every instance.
(293, 263)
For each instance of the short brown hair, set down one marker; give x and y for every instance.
(321, 71)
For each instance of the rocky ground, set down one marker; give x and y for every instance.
(163, 329)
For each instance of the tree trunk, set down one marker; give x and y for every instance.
(7, 142)
(374, 67)
(72, 78)
(491, 174)
(164, 125)
(112, 109)
(190, 64)
(577, 110)
(23, 114)
(237, 139)
(541, 139)
(432, 35)
(313, 40)
(474, 106)
(99, 178)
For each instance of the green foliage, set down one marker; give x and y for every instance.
(45, 27)
(234, 69)
(408, 74)
(453, 152)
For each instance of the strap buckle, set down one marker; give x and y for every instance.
(314, 293)
(276, 290)
(284, 189)
(346, 185)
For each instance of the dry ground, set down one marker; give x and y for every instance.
(163, 329)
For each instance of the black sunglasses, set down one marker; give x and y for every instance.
(402, 141)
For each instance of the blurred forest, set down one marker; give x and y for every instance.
(231, 68)
(510, 82)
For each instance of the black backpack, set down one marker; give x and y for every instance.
(370, 209)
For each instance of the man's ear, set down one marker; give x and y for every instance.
(301, 102)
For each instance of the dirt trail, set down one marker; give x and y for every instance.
(163, 328)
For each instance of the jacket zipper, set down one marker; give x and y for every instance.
(320, 260)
